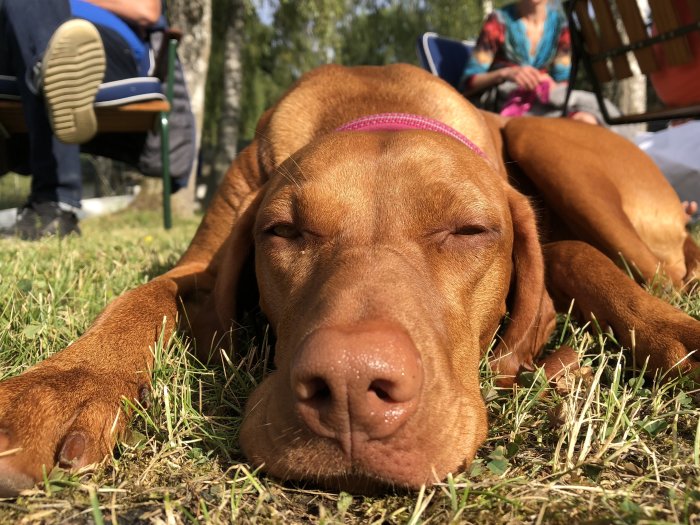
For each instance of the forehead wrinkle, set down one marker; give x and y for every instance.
(382, 181)
(464, 197)
(437, 189)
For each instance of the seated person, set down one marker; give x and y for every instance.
(59, 62)
(521, 64)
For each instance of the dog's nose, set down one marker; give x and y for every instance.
(360, 382)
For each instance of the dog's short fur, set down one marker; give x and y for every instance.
(385, 262)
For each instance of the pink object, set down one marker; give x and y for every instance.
(521, 100)
(405, 121)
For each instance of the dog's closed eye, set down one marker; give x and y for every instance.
(284, 230)
(470, 235)
(470, 229)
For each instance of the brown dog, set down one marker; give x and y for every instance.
(385, 261)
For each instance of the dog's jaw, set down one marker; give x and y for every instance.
(422, 452)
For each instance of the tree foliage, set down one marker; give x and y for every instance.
(285, 38)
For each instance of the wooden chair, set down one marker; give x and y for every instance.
(126, 106)
(605, 47)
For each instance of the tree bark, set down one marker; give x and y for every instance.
(227, 136)
(193, 18)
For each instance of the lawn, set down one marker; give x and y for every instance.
(611, 446)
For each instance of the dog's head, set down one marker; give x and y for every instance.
(385, 262)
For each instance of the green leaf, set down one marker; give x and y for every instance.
(592, 471)
(499, 463)
(476, 469)
(653, 427)
(630, 507)
(25, 285)
(31, 330)
(498, 466)
(685, 400)
(512, 449)
(136, 438)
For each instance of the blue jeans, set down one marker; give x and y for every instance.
(26, 26)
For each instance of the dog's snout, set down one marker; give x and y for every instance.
(355, 383)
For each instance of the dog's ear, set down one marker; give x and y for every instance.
(531, 315)
(233, 272)
(217, 312)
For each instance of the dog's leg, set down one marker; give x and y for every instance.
(560, 362)
(605, 190)
(654, 329)
(691, 252)
(67, 409)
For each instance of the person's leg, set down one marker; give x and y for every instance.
(119, 64)
(120, 60)
(55, 166)
(25, 30)
(583, 116)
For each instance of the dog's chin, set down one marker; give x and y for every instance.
(272, 438)
(357, 482)
(322, 464)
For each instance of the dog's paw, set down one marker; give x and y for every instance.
(669, 342)
(53, 415)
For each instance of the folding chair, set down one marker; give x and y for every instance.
(444, 57)
(598, 43)
(132, 105)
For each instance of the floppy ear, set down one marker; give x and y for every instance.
(234, 280)
(236, 257)
(531, 312)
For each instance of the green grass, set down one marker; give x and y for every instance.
(13, 190)
(614, 448)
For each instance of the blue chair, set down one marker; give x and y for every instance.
(126, 106)
(444, 57)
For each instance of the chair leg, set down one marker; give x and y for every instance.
(165, 135)
(165, 160)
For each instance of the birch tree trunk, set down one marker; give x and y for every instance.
(232, 84)
(233, 76)
(193, 17)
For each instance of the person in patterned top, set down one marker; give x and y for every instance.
(521, 64)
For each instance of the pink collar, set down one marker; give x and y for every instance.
(403, 121)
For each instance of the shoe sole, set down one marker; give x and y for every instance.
(72, 71)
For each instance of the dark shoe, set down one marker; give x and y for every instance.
(37, 220)
(72, 71)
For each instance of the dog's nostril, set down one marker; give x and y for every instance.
(380, 389)
(323, 393)
(315, 390)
